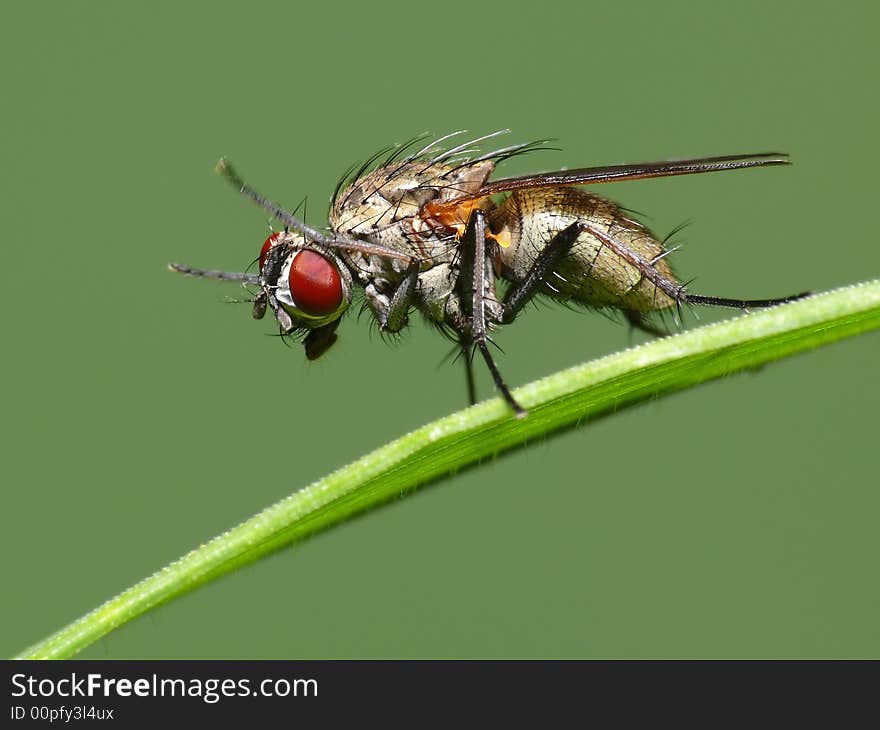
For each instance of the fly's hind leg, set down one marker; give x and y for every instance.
(743, 304)
(556, 249)
(673, 290)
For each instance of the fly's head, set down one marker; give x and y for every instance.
(307, 287)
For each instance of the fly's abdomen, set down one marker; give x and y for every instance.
(595, 272)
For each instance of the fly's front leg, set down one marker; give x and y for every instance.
(392, 317)
(556, 249)
(271, 271)
(474, 261)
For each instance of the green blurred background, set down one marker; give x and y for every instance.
(143, 414)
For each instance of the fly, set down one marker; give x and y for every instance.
(430, 231)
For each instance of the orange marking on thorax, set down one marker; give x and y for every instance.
(455, 215)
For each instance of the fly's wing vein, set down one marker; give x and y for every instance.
(633, 171)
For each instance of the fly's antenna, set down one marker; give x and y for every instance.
(225, 169)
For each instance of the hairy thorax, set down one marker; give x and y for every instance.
(392, 206)
(386, 206)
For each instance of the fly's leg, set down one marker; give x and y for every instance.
(271, 272)
(466, 349)
(474, 260)
(743, 303)
(556, 249)
(670, 288)
(285, 322)
(393, 317)
(673, 290)
(260, 302)
(465, 292)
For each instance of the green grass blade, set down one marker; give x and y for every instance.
(564, 400)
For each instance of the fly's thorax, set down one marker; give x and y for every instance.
(435, 293)
(593, 272)
(381, 273)
(311, 283)
(385, 205)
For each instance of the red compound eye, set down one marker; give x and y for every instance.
(315, 284)
(267, 244)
